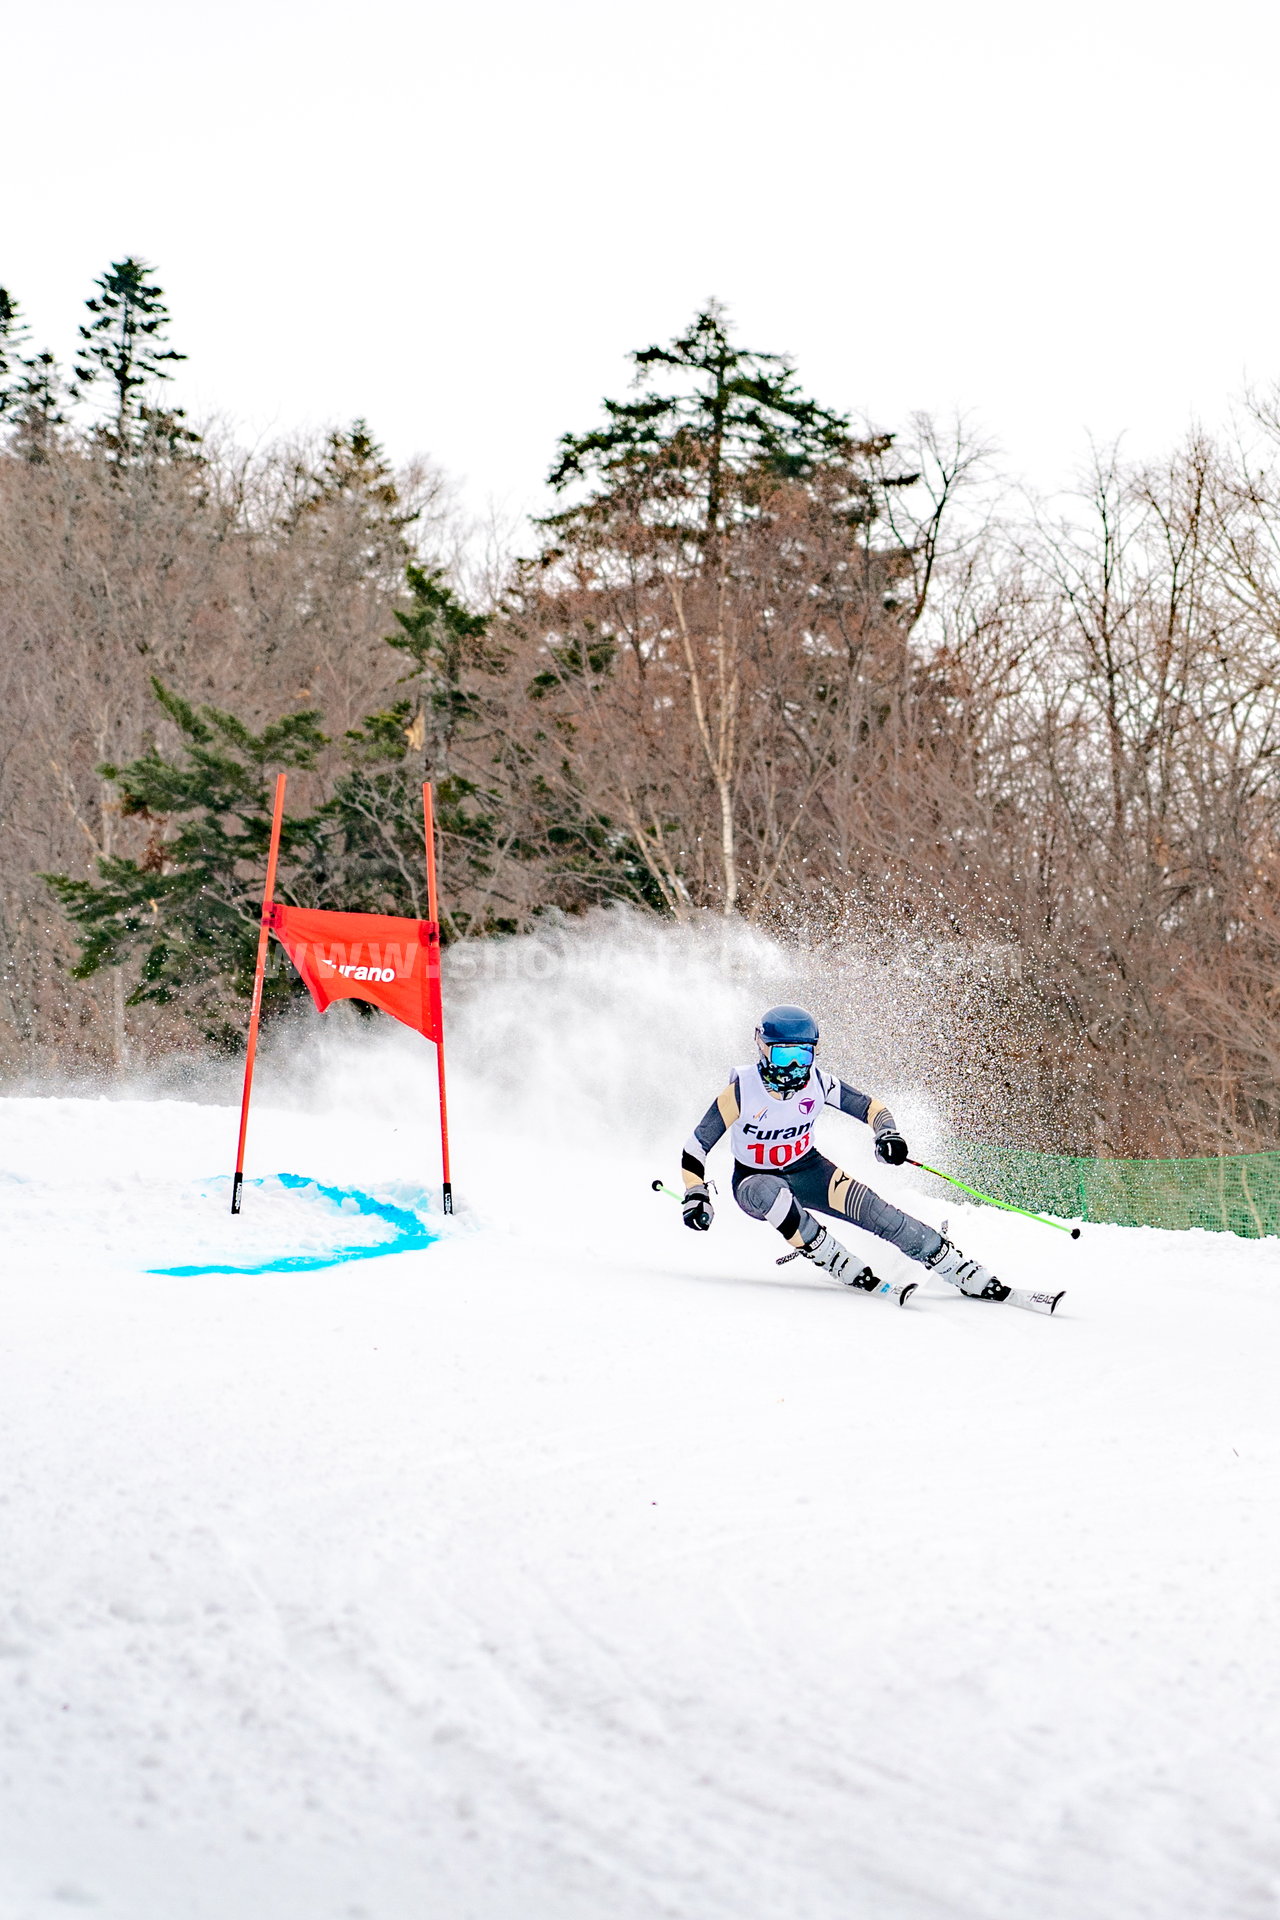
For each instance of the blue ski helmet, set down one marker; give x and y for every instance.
(787, 1039)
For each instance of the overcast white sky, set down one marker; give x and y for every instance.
(456, 219)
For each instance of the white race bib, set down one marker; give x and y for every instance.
(771, 1132)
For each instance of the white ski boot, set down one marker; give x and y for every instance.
(827, 1252)
(979, 1283)
(973, 1279)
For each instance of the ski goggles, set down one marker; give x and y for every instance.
(801, 1056)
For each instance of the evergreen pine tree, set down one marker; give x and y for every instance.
(13, 333)
(446, 643)
(355, 468)
(31, 389)
(37, 408)
(728, 412)
(354, 479)
(191, 904)
(375, 856)
(647, 590)
(124, 345)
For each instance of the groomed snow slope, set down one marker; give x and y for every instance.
(578, 1568)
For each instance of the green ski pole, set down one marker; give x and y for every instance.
(991, 1201)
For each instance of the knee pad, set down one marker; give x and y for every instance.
(765, 1197)
(757, 1193)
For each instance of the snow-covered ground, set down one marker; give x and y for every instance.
(574, 1567)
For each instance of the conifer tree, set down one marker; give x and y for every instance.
(190, 905)
(13, 333)
(31, 388)
(722, 411)
(355, 480)
(37, 408)
(446, 643)
(375, 810)
(649, 579)
(355, 468)
(125, 346)
(451, 728)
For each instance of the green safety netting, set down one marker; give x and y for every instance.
(1232, 1193)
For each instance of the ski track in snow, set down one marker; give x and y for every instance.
(563, 1570)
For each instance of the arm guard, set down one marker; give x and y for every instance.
(714, 1124)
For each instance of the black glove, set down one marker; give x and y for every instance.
(697, 1208)
(891, 1146)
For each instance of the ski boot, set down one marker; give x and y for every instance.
(972, 1279)
(827, 1252)
(978, 1283)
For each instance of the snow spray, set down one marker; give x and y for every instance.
(580, 1047)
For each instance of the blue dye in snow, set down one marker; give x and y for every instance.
(411, 1232)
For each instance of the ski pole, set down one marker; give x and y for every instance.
(991, 1200)
(659, 1188)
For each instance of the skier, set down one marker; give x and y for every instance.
(772, 1106)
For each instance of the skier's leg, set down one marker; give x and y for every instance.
(769, 1197)
(827, 1189)
(789, 1201)
(854, 1201)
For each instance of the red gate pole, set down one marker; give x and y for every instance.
(433, 978)
(264, 936)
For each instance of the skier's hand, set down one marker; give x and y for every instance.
(698, 1210)
(891, 1146)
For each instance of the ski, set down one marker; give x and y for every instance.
(1034, 1302)
(899, 1290)
(996, 1291)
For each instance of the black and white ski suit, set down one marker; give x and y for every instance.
(778, 1173)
